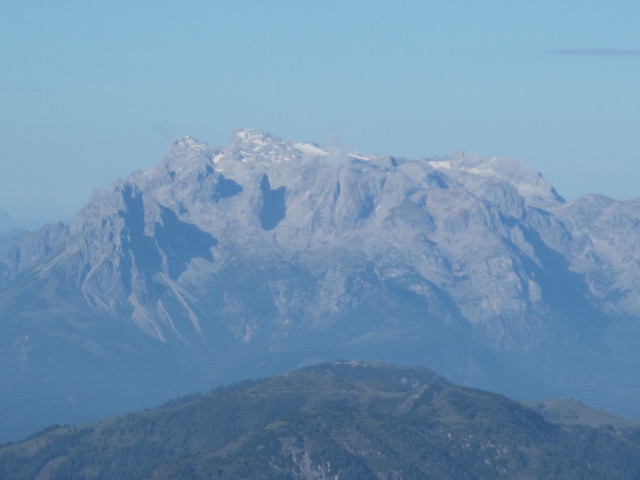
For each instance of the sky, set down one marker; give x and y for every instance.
(91, 90)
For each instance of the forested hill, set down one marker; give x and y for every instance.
(343, 420)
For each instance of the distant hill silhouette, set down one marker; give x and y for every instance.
(337, 420)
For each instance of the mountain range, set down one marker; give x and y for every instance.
(225, 263)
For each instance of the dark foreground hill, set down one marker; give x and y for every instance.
(342, 420)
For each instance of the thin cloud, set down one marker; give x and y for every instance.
(598, 51)
(338, 152)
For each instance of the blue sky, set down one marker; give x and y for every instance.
(92, 90)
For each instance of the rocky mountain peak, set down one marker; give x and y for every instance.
(529, 183)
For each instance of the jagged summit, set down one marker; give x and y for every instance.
(261, 148)
(529, 183)
(187, 142)
(251, 135)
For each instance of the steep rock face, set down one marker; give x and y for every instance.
(268, 253)
(33, 249)
(606, 248)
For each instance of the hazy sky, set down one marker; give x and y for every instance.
(92, 90)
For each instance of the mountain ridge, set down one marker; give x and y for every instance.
(340, 419)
